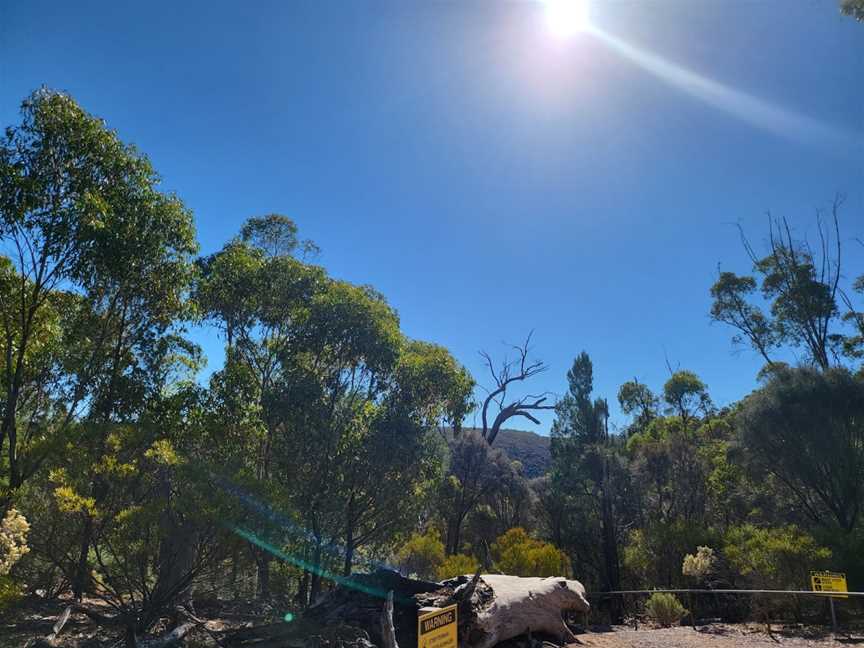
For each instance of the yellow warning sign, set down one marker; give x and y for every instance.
(828, 582)
(437, 629)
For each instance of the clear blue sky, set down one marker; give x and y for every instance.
(488, 178)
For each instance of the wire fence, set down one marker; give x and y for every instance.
(730, 591)
(734, 605)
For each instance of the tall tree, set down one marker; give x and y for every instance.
(586, 470)
(276, 236)
(85, 222)
(637, 400)
(686, 395)
(258, 294)
(339, 392)
(801, 285)
(476, 471)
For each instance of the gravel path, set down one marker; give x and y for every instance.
(715, 636)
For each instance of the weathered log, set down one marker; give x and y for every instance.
(388, 632)
(520, 605)
(52, 639)
(169, 639)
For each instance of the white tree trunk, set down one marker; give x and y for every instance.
(523, 604)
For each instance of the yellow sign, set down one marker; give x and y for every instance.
(828, 582)
(437, 629)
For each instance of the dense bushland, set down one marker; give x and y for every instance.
(328, 442)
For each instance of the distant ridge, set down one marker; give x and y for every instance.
(528, 448)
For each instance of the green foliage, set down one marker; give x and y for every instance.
(275, 235)
(853, 8)
(428, 374)
(685, 395)
(773, 558)
(475, 475)
(457, 565)
(337, 405)
(821, 471)
(654, 554)
(664, 609)
(422, 555)
(103, 278)
(589, 481)
(578, 419)
(518, 554)
(799, 286)
(11, 592)
(637, 400)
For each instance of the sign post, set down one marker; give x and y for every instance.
(830, 582)
(437, 629)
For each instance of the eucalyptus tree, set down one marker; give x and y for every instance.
(805, 428)
(686, 396)
(637, 400)
(360, 409)
(100, 262)
(344, 402)
(258, 294)
(276, 236)
(476, 471)
(800, 283)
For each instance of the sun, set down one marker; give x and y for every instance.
(567, 17)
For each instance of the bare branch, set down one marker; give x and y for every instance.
(515, 370)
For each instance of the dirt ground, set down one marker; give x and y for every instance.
(717, 636)
(34, 621)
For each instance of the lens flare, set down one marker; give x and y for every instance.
(567, 17)
(758, 112)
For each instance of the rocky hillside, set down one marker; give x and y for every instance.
(529, 448)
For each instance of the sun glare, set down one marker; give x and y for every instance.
(567, 17)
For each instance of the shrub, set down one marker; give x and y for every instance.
(773, 558)
(664, 609)
(13, 540)
(701, 564)
(519, 554)
(655, 553)
(457, 565)
(422, 555)
(10, 592)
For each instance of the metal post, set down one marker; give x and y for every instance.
(833, 614)
(692, 613)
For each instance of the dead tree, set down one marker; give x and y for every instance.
(505, 376)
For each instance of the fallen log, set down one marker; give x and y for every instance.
(522, 605)
(52, 639)
(492, 608)
(169, 639)
(388, 631)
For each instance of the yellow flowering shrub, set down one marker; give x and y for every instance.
(13, 540)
